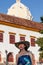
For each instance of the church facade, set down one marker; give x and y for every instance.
(18, 25)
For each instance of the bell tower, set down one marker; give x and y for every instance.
(20, 10)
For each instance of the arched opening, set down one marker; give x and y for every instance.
(10, 57)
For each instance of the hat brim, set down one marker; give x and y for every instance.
(26, 43)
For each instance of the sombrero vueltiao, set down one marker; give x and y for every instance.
(26, 43)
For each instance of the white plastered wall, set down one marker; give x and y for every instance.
(5, 45)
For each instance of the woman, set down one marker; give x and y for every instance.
(24, 57)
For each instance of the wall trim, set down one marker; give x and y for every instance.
(18, 26)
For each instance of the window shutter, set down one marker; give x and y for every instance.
(12, 39)
(22, 38)
(32, 41)
(1, 37)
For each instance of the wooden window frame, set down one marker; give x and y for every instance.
(32, 42)
(11, 33)
(10, 57)
(22, 35)
(0, 57)
(1, 34)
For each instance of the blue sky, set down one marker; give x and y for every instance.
(35, 6)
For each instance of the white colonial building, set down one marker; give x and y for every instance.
(18, 25)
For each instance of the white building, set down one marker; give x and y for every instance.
(16, 26)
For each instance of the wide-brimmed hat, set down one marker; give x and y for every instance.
(26, 43)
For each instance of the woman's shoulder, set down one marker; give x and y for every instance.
(18, 55)
(30, 53)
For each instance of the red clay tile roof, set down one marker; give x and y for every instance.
(21, 21)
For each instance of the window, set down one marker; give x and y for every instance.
(0, 57)
(10, 57)
(20, 7)
(1, 36)
(12, 38)
(32, 40)
(22, 37)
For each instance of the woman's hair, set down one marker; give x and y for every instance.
(25, 48)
